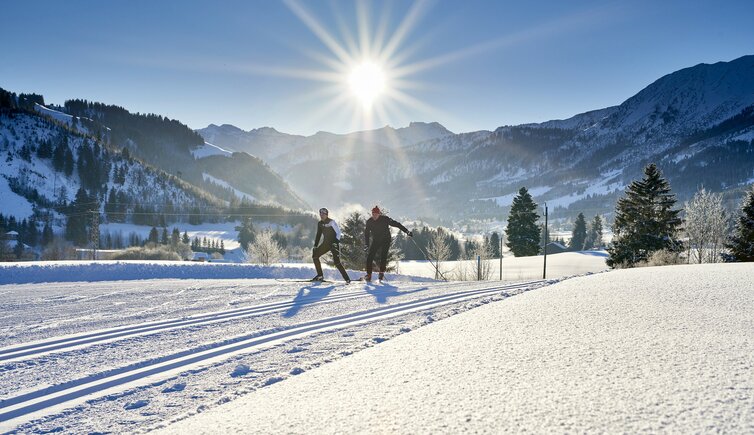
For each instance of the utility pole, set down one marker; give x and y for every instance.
(501, 255)
(544, 271)
(94, 233)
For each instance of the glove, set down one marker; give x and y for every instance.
(410, 234)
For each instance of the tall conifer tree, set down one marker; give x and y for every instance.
(741, 243)
(645, 221)
(522, 231)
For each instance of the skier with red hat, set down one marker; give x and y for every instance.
(378, 226)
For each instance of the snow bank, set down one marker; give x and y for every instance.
(71, 271)
(645, 350)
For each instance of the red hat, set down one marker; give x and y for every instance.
(376, 210)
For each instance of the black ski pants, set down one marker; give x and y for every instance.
(381, 246)
(323, 249)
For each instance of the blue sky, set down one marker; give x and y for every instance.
(469, 65)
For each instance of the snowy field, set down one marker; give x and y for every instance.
(516, 268)
(95, 347)
(652, 350)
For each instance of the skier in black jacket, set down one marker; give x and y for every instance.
(331, 242)
(378, 227)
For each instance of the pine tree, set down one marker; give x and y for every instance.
(154, 236)
(495, 245)
(47, 234)
(741, 243)
(78, 216)
(352, 242)
(245, 233)
(186, 239)
(68, 162)
(594, 235)
(175, 237)
(522, 230)
(165, 239)
(578, 236)
(645, 221)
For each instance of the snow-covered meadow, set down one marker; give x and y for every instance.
(514, 268)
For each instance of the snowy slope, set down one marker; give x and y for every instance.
(39, 175)
(665, 350)
(210, 150)
(12, 203)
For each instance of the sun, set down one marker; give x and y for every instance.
(367, 82)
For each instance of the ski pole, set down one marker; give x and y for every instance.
(428, 259)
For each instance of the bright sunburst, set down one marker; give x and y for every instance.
(367, 82)
(365, 71)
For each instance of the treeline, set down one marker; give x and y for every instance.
(149, 130)
(11, 101)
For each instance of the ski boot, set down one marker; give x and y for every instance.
(318, 278)
(381, 277)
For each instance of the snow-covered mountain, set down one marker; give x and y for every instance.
(283, 150)
(697, 124)
(46, 165)
(63, 163)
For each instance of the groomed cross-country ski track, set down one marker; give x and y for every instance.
(133, 355)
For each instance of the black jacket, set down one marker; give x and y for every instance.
(379, 229)
(329, 229)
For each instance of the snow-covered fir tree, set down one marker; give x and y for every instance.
(645, 221)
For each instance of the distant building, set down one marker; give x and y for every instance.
(555, 248)
(12, 235)
(201, 256)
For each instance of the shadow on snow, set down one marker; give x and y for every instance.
(308, 295)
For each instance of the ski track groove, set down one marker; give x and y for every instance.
(52, 396)
(12, 353)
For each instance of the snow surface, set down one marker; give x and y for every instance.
(516, 268)
(114, 270)
(600, 188)
(644, 350)
(59, 116)
(209, 149)
(13, 204)
(506, 200)
(131, 355)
